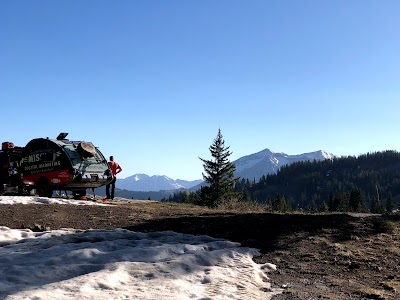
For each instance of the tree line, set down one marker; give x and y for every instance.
(367, 183)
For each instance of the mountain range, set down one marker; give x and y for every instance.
(252, 166)
(265, 162)
(146, 183)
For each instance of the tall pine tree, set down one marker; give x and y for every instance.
(218, 173)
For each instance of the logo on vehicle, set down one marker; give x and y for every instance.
(62, 175)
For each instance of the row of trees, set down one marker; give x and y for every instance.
(373, 177)
(347, 202)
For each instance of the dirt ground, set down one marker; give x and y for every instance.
(321, 256)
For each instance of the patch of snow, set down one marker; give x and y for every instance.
(120, 264)
(44, 200)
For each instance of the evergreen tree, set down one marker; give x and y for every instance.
(218, 173)
(245, 197)
(389, 203)
(381, 207)
(374, 205)
(343, 204)
(377, 206)
(356, 201)
(186, 197)
(331, 203)
(324, 207)
(269, 204)
(280, 204)
(312, 207)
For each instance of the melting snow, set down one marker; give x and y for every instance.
(43, 200)
(121, 264)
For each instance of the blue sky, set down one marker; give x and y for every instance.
(150, 82)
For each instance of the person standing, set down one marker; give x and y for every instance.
(115, 169)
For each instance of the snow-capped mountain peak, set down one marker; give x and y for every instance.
(265, 162)
(327, 155)
(145, 183)
(252, 166)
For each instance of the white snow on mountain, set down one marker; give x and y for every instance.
(252, 166)
(145, 183)
(120, 264)
(265, 162)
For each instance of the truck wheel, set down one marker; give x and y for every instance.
(79, 195)
(43, 189)
(20, 190)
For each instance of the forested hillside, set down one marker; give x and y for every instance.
(371, 180)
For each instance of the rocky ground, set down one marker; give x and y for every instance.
(321, 256)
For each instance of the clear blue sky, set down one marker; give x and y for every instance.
(150, 82)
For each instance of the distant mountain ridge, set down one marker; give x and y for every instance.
(146, 183)
(374, 177)
(254, 166)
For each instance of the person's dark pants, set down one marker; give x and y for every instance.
(112, 185)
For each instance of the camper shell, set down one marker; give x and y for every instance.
(57, 164)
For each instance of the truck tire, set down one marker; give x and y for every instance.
(43, 188)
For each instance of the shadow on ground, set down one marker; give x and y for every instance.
(264, 231)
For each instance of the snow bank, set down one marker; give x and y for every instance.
(120, 264)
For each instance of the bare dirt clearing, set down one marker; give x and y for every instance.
(321, 256)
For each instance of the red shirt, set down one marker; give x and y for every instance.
(115, 168)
